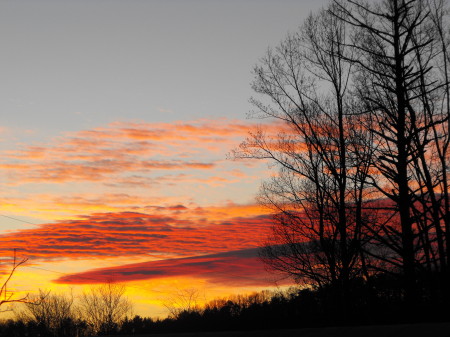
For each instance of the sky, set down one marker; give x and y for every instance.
(117, 119)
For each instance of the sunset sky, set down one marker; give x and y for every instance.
(116, 119)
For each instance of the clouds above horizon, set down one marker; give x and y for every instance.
(127, 165)
(138, 191)
(237, 268)
(166, 232)
(123, 148)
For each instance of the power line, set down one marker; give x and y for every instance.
(24, 221)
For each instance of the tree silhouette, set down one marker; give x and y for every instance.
(398, 80)
(182, 301)
(318, 195)
(7, 296)
(105, 307)
(54, 314)
(361, 98)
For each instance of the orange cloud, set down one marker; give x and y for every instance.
(125, 148)
(169, 231)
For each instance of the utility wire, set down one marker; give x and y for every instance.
(12, 218)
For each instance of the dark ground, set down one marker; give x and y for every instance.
(404, 330)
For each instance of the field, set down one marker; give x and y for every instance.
(404, 330)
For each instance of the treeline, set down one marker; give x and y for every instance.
(378, 301)
(293, 308)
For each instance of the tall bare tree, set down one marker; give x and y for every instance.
(395, 57)
(318, 195)
(361, 96)
(438, 110)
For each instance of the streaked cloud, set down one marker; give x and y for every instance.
(135, 191)
(167, 231)
(123, 148)
(232, 268)
(125, 166)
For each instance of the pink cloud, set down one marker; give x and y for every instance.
(233, 268)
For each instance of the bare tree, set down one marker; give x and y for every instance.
(362, 97)
(397, 80)
(7, 296)
(437, 200)
(317, 197)
(105, 307)
(182, 300)
(53, 312)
